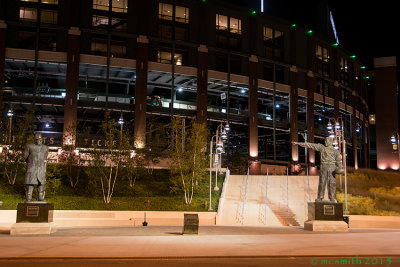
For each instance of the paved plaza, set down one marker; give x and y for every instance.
(254, 246)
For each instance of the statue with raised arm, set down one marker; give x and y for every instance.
(35, 156)
(331, 161)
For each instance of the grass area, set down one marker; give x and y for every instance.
(371, 192)
(151, 192)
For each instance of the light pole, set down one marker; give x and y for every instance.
(121, 122)
(336, 131)
(220, 139)
(10, 114)
(394, 139)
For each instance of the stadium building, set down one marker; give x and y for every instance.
(272, 80)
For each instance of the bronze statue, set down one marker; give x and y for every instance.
(35, 156)
(331, 161)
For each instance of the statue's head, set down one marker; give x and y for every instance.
(38, 139)
(328, 141)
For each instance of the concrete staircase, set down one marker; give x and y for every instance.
(283, 213)
(254, 201)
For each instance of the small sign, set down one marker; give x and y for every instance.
(329, 210)
(191, 224)
(32, 211)
(395, 148)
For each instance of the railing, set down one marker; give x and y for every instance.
(223, 193)
(244, 197)
(266, 199)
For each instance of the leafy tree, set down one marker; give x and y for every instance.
(155, 138)
(53, 179)
(13, 152)
(70, 158)
(188, 156)
(107, 162)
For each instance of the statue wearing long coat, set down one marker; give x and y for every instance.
(35, 157)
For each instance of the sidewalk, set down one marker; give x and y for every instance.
(212, 241)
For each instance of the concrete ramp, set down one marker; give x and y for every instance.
(258, 200)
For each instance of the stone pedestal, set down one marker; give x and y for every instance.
(191, 224)
(326, 226)
(34, 218)
(326, 211)
(35, 212)
(325, 216)
(33, 228)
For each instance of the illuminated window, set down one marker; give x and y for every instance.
(322, 53)
(119, 6)
(166, 58)
(268, 34)
(181, 14)
(344, 65)
(99, 20)
(48, 12)
(116, 23)
(323, 58)
(235, 25)
(101, 4)
(221, 22)
(344, 71)
(273, 43)
(229, 30)
(27, 14)
(166, 12)
(52, 2)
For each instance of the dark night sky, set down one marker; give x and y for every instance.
(365, 28)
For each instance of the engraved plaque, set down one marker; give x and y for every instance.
(329, 210)
(32, 211)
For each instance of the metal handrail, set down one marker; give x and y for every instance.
(224, 186)
(245, 193)
(266, 199)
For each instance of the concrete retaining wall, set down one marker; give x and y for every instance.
(81, 218)
(367, 221)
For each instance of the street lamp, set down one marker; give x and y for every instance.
(121, 122)
(10, 114)
(222, 133)
(221, 137)
(336, 131)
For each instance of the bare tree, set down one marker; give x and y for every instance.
(106, 162)
(188, 156)
(70, 156)
(12, 154)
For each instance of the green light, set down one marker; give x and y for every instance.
(309, 31)
(294, 25)
(203, 1)
(363, 67)
(253, 12)
(353, 56)
(335, 44)
(366, 77)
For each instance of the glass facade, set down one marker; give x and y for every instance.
(108, 30)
